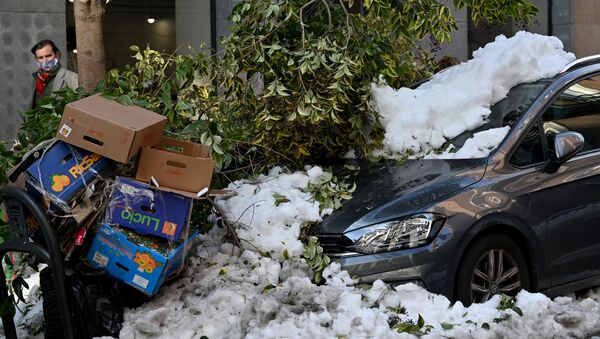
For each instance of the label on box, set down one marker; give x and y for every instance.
(133, 191)
(64, 170)
(142, 282)
(134, 264)
(65, 130)
(135, 206)
(100, 259)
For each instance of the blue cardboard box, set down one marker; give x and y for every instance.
(62, 172)
(139, 266)
(148, 211)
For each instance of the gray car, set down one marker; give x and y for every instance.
(525, 217)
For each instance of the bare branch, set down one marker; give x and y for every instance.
(347, 24)
(302, 22)
(330, 26)
(230, 228)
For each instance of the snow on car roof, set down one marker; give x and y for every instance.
(419, 120)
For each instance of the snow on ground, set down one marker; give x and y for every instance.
(254, 210)
(459, 99)
(229, 292)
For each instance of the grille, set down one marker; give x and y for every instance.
(334, 243)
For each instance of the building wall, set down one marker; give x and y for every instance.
(585, 27)
(22, 24)
(539, 24)
(562, 22)
(482, 33)
(193, 25)
(458, 45)
(470, 37)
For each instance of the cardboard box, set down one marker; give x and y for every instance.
(182, 166)
(62, 172)
(148, 211)
(105, 127)
(139, 266)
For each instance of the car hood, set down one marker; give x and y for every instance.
(389, 189)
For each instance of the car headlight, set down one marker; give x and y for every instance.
(407, 232)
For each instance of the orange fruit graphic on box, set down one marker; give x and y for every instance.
(59, 182)
(145, 261)
(169, 228)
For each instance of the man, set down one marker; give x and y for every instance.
(50, 76)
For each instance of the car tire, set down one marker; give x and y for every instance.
(492, 265)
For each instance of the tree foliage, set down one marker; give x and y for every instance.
(292, 84)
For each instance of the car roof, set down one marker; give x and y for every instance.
(581, 62)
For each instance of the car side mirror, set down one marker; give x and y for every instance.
(566, 145)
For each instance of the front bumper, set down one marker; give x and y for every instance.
(430, 265)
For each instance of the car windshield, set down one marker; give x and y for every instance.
(507, 111)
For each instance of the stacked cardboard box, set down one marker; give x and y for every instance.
(144, 234)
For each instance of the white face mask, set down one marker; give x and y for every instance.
(48, 65)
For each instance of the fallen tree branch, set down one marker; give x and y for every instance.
(230, 229)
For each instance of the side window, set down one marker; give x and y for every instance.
(530, 151)
(577, 109)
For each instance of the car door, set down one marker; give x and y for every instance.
(572, 194)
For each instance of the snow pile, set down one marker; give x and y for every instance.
(271, 209)
(257, 297)
(459, 99)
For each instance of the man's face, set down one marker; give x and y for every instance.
(45, 54)
(46, 58)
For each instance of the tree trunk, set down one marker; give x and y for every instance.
(91, 64)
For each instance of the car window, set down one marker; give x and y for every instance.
(531, 150)
(507, 111)
(577, 109)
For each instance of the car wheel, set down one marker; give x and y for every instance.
(492, 265)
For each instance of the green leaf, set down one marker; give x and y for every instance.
(217, 149)
(7, 260)
(124, 100)
(447, 326)
(286, 254)
(279, 199)
(204, 138)
(17, 285)
(421, 321)
(310, 251)
(485, 326)
(268, 288)
(518, 311)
